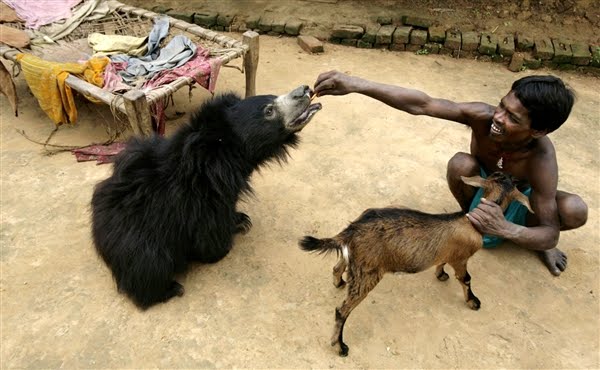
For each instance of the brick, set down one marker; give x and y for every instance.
(265, 24)
(562, 51)
(161, 9)
(252, 22)
(532, 62)
(437, 34)
(595, 62)
(497, 58)
(453, 40)
(349, 42)
(413, 47)
(384, 35)
(423, 22)
(516, 62)
(310, 44)
(184, 16)
(488, 44)
(506, 46)
(418, 37)
(370, 34)
(206, 19)
(470, 40)
(278, 25)
(524, 42)
(446, 51)
(224, 20)
(364, 45)
(384, 20)
(543, 49)
(347, 31)
(293, 27)
(397, 47)
(581, 54)
(401, 35)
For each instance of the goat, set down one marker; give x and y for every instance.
(404, 240)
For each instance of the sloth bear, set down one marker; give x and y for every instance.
(173, 200)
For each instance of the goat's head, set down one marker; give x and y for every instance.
(499, 188)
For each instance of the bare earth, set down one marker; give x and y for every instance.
(267, 304)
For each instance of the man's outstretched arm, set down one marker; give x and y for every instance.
(408, 100)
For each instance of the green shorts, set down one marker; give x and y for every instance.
(515, 213)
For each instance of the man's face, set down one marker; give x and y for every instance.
(510, 123)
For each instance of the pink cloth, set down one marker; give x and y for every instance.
(37, 13)
(112, 81)
(100, 153)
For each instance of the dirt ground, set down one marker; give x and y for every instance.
(267, 304)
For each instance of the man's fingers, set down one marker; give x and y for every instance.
(323, 76)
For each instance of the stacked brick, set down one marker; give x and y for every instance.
(415, 34)
(271, 25)
(421, 36)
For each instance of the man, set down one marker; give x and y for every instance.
(512, 138)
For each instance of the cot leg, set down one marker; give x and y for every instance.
(250, 38)
(138, 112)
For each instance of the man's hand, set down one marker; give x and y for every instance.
(335, 83)
(488, 219)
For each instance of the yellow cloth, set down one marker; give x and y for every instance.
(47, 83)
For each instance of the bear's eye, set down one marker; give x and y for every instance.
(269, 110)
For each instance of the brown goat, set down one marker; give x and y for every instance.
(404, 240)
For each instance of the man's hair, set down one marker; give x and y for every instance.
(547, 99)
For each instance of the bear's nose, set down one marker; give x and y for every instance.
(300, 91)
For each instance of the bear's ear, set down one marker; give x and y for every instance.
(226, 100)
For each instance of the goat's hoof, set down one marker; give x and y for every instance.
(443, 276)
(474, 303)
(340, 283)
(343, 350)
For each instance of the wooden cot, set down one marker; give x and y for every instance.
(132, 21)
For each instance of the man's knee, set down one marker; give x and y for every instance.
(462, 164)
(573, 212)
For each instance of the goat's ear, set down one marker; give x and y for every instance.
(476, 181)
(521, 198)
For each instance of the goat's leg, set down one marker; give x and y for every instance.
(440, 274)
(460, 268)
(338, 270)
(359, 285)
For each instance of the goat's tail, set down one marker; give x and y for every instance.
(321, 246)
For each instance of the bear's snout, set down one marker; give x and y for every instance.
(300, 92)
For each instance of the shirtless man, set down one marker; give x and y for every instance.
(511, 137)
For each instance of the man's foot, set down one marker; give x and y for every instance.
(555, 260)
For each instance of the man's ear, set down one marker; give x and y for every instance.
(536, 134)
